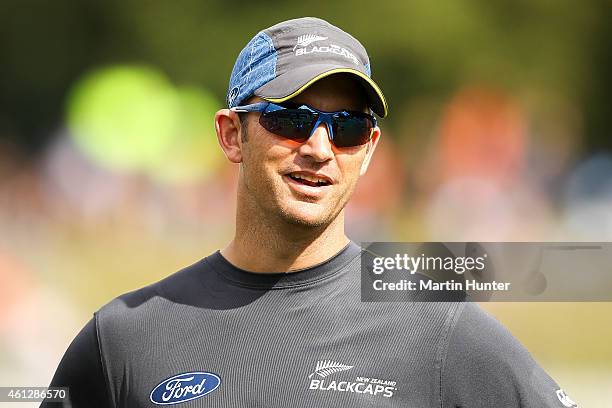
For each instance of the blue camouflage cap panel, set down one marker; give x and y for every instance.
(255, 66)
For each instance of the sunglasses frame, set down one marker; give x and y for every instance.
(321, 117)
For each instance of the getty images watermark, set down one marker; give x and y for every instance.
(516, 271)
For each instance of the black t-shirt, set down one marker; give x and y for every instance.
(212, 335)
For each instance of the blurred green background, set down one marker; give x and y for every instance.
(111, 178)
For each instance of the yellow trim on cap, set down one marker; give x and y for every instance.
(328, 73)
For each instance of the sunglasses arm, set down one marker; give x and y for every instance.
(254, 107)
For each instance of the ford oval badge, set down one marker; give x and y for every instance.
(184, 387)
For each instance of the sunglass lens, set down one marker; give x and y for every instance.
(352, 130)
(294, 124)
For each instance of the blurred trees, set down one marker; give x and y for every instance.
(561, 50)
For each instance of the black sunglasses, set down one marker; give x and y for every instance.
(345, 128)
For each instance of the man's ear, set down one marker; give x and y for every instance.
(227, 125)
(371, 146)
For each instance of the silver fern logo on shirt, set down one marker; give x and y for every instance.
(360, 385)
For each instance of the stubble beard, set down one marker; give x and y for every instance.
(290, 217)
(291, 214)
(274, 209)
(275, 206)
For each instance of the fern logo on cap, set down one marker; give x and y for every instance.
(307, 39)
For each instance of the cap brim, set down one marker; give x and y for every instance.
(292, 83)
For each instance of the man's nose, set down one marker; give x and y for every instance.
(318, 146)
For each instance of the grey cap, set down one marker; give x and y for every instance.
(282, 61)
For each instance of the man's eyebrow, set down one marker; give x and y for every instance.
(291, 104)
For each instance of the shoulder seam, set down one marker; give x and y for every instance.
(450, 323)
(110, 395)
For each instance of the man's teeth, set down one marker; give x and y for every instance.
(312, 179)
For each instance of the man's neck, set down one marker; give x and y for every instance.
(283, 247)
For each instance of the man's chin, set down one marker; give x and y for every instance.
(309, 215)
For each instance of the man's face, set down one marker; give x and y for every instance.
(274, 168)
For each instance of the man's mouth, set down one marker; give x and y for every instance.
(309, 179)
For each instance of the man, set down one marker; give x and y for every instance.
(275, 319)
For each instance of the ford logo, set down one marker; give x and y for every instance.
(184, 387)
